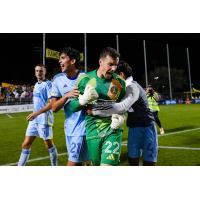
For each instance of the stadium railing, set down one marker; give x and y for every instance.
(14, 101)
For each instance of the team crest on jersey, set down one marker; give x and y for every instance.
(53, 94)
(114, 90)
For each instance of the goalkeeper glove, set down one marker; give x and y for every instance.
(89, 95)
(117, 121)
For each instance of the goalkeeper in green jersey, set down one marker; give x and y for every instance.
(103, 134)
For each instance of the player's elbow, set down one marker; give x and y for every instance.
(53, 105)
(120, 109)
(54, 108)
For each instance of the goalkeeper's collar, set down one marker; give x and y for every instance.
(129, 81)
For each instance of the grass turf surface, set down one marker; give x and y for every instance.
(176, 119)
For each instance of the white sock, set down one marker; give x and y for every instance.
(24, 157)
(53, 156)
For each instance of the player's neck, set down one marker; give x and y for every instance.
(99, 73)
(41, 80)
(71, 72)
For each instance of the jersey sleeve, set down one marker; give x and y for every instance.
(123, 91)
(131, 96)
(81, 84)
(55, 93)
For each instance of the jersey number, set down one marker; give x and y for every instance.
(115, 150)
(74, 147)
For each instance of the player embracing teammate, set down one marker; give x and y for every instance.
(95, 105)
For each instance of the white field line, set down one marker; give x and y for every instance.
(172, 133)
(124, 143)
(170, 147)
(177, 132)
(9, 116)
(184, 148)
(35, 159)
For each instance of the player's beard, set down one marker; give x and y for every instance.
(108, 75)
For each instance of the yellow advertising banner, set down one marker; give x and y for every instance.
(52, 54)
(195, 90)
(55, 54)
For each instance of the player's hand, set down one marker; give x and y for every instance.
(89, 95)
(32, 116)
(117, 121)
(73, 93)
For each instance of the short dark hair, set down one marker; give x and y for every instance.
(72, 53)
(40, 65)
(109, 51)
(125, 68)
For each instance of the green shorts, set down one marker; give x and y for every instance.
(105, 150)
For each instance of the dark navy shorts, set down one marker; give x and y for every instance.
(142, 141)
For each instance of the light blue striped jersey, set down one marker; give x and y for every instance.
(41, 94)
(75, 121)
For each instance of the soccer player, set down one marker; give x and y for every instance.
(103, 137)
(41, 120)
(153, 99)
(63, 89)
(142, 136)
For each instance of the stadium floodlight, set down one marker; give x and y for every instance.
(145, 63)
(44, 48)
(156, 78)
(189, 74)
(85, 51)
(169, 74)
(117, 43)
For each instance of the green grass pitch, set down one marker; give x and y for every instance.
(180, 146)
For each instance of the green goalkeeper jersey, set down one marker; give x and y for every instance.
(109, 91)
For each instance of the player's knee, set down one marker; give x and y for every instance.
(48, 143)
(26, 145)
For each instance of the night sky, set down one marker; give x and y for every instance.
(19, 53)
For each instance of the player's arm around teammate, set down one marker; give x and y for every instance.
(58, 103)
(63, 91)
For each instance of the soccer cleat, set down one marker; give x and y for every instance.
(162, 131)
